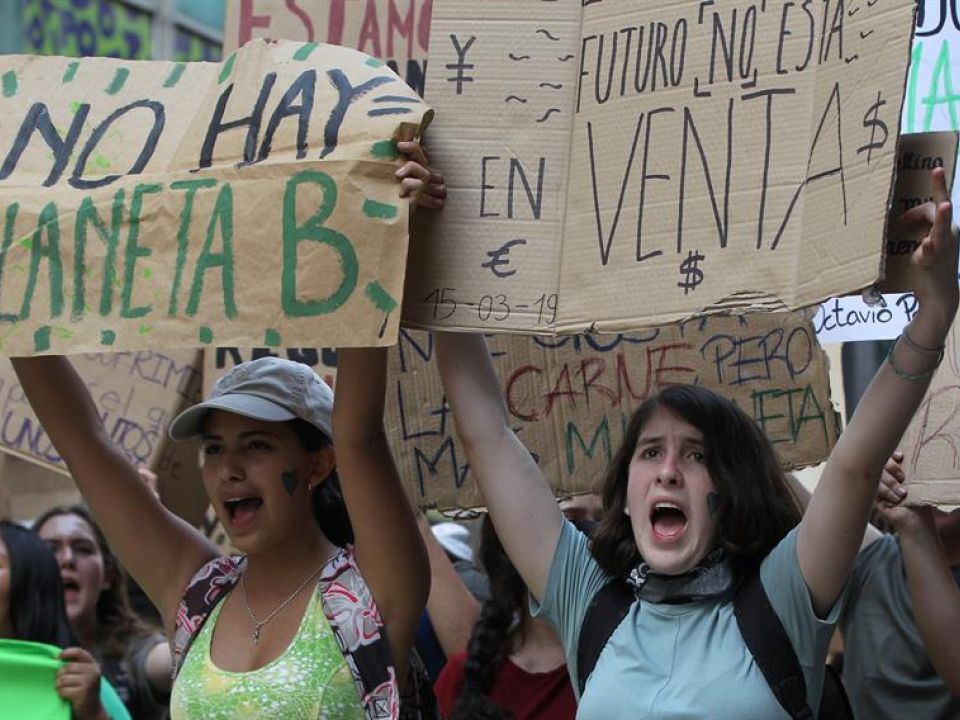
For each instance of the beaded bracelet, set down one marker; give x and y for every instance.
(918, 377)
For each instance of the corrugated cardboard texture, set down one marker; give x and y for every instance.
(931, 445)
(569, 399)
(622, 164)
(160, 204)
(137, 395)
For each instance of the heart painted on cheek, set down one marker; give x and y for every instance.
(713, 502)
(289, 479)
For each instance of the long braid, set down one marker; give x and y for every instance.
(496, 634)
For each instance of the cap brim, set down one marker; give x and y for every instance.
(189, 423)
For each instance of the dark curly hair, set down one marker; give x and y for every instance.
(496, 634)
(756, 507)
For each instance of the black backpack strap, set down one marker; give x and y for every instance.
(834, 703)
(770, 646)
(605, 612)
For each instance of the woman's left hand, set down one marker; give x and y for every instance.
(78, 682)
(418, 179)
(934, 262)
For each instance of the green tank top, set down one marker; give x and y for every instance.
(310, 680)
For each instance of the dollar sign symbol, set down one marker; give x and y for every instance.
(872, 120)
(693, 275)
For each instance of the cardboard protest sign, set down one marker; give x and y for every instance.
(157, 204)
(396, 31)
(616, 165)
(570, 398)
(136, 393)
(931, 445)
(918, 155)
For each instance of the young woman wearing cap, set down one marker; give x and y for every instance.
(267, 433)
(695, 500)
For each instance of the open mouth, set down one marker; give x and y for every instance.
(71, 589)
(242, 511)
(667, 520)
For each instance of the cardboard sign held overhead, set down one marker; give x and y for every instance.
(159, 204)
(622, 164)
(570, 398)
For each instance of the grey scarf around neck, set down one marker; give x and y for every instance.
(711, 578)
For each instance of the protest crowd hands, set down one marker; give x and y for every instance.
(892, 504)
(78, 682)
(418, 180)
(934, 264)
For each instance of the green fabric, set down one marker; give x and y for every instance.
(309, 680)
(111, 701)
(28, 672)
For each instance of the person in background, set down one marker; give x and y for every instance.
(452, 609)
(885, 668)
(134, 656)
(514, 665)
(456, 540)
(928, 545)
(32, 608)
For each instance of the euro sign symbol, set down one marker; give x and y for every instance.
(500, 257)
(693, 275)
(872, 120)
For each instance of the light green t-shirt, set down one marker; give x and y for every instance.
(309, 681)
(684, 660)
(886, 669)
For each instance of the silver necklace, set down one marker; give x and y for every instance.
(258, 624)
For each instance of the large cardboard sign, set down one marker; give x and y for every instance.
(570, 398)
(615, 165)
(396, 31)
(159, 205)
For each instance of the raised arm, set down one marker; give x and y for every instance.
(388, 546)
(518, 498)
(933, 589)
(453, 610)
(832, 528)
(161, 551)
